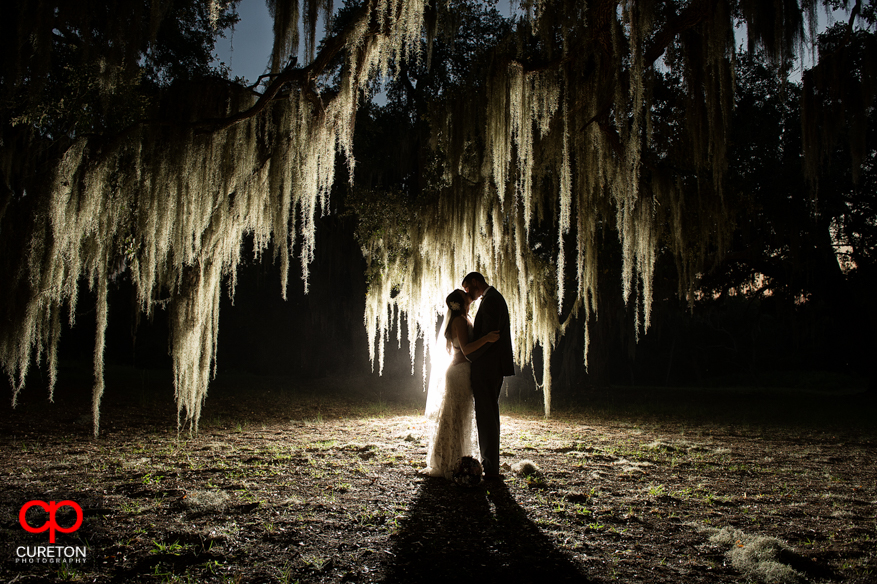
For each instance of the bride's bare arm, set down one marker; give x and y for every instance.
(461, 329)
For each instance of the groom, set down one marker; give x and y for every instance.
(490, 364)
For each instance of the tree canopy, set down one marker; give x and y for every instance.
(515, 146)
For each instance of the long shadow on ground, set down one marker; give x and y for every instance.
(478, 534)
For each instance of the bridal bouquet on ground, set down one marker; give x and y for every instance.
(468, 472)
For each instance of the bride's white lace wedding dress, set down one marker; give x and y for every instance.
(454, 433)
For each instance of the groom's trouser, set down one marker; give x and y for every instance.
(486, 388)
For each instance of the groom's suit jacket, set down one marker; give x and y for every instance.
(493, 359)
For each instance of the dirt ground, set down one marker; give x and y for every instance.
(319, 483)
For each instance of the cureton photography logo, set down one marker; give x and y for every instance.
(52, 553)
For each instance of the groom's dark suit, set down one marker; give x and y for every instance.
(490, 364)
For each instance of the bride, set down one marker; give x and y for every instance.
(455, 435)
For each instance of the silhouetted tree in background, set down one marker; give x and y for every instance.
(562, 153)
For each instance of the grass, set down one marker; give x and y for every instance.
(151, 479)
(321, 445)
(656, 490)
(286, 574)
(173, 549)
(67, 573)
(315, 561)
(323, 474)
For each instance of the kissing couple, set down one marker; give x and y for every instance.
(469, 398)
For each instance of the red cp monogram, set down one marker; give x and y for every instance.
(51, 508)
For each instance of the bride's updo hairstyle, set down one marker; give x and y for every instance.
(455, 302)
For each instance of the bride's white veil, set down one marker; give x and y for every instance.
(439, 362)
